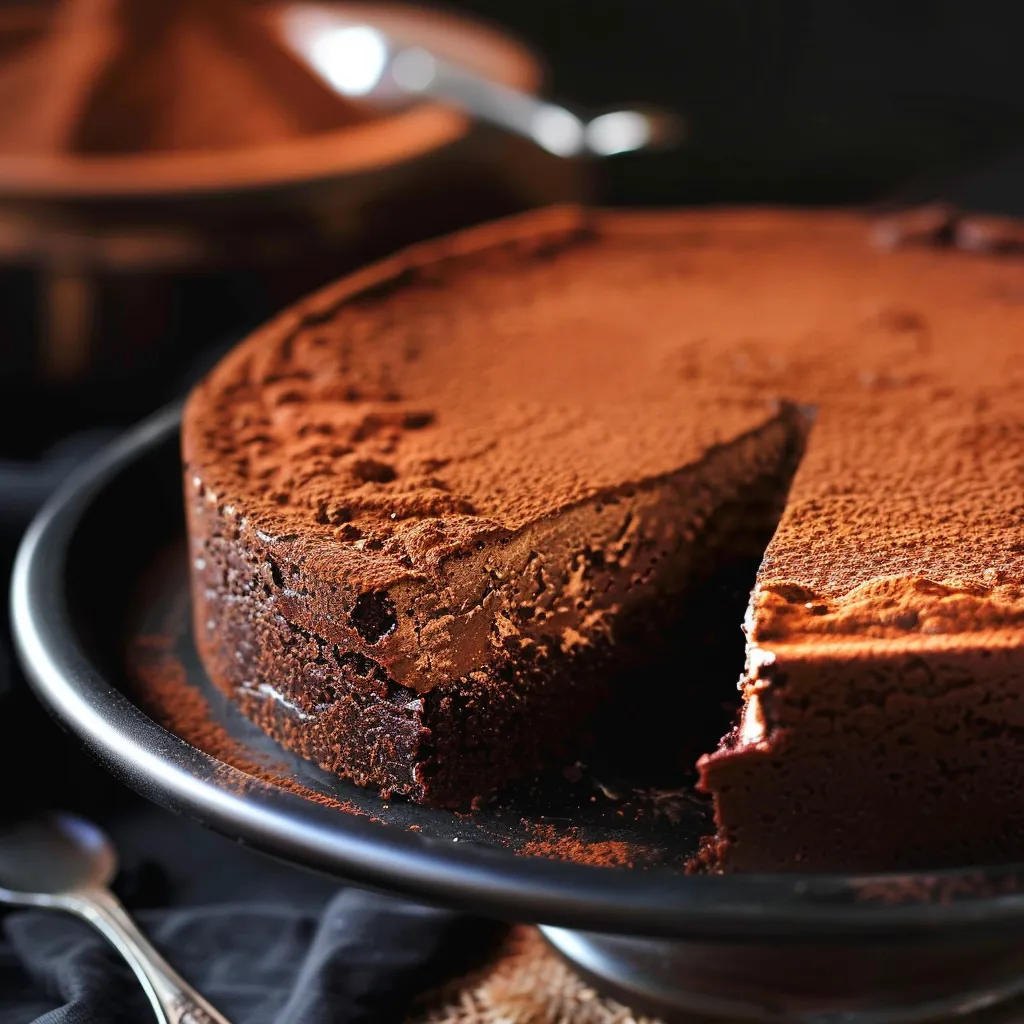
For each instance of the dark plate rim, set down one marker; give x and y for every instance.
(169, 771)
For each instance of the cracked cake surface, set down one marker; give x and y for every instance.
(434, 509)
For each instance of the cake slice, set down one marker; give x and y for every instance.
(884, 687)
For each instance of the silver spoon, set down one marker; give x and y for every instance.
(362, 61)
(62, 862)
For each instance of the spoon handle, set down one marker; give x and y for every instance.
(173, 999)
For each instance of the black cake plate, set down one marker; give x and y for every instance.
(102, 571)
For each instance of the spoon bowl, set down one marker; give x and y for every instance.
(63, 862)
(54, 854)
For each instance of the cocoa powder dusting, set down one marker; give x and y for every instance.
(569, 846)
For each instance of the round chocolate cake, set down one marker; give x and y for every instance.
(440, 511)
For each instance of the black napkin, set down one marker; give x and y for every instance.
(264, 942)
(362, 958)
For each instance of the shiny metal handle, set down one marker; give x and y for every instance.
(558, 130)
(364, 62)
(174, 1000)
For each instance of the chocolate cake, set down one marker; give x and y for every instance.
(437, 508)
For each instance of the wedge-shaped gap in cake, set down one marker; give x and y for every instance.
(679, 690)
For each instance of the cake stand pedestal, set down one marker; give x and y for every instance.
(876, 980)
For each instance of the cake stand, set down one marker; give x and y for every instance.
(104, 563)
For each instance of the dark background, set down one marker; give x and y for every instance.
(797, 101)
(806, 101)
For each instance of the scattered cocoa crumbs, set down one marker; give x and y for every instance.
(290, 784)
(164, 693)
(708, 858)
(570, 847)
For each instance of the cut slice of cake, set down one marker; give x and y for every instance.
(884, 689)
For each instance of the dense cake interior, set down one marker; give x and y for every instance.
(563, 615)
(680, 684)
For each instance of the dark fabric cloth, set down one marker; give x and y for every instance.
(361, 958)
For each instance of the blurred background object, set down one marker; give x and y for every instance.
(359, 60)
(793, 101)
(170, 173)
